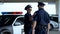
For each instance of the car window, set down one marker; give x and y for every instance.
(6, 20)
(20, 20)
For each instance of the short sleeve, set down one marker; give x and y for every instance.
(35, 17)
(48, 18)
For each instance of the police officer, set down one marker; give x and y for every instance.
(41, 20)
(28, 20)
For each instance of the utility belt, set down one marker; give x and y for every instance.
(41, 27)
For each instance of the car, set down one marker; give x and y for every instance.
(14, 24)
(53, 24)
(18, 26)
(54, 18)
(11, 24)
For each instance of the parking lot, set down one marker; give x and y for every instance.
(12, 16)
(55, 31)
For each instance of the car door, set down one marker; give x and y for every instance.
(18, 26)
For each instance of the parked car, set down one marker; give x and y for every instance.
(53, 24)
(14, 24)
(54, 18)
(11, 24)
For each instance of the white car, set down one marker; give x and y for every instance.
(16, 27)
(53, 24)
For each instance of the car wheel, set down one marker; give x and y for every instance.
(5, 32)
(51, 26)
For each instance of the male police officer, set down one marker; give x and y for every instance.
(28, 20)
(41, 20)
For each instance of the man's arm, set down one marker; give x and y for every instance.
(48, 28)
(33, 27)
(34, 22)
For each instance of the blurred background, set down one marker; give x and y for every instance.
(12, 15)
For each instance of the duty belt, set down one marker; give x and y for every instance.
(40, 26)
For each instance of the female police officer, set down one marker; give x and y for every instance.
(28, 20)
(41, 20)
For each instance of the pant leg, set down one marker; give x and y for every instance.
(28, 31)
(41, 31)
(37, 31)
(44, 31)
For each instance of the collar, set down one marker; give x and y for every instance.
(41, 9)
(28, 13)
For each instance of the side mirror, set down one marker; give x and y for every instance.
(17, 24)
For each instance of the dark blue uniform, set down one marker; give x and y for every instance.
(27, 23)
(42, 18)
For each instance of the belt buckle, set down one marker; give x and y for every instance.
(43, 26)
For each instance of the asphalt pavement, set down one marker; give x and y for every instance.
(55, 31)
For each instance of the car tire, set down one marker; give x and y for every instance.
(51, 27)
(5, 32)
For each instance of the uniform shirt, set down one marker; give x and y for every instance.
(42, 17)
(27, 20)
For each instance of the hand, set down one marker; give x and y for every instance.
(48, 32)
(33, 31)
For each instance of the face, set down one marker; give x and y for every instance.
(29, 10)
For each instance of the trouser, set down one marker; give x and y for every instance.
(28, 30)
(41, 31)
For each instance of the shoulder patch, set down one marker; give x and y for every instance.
(34, 14)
